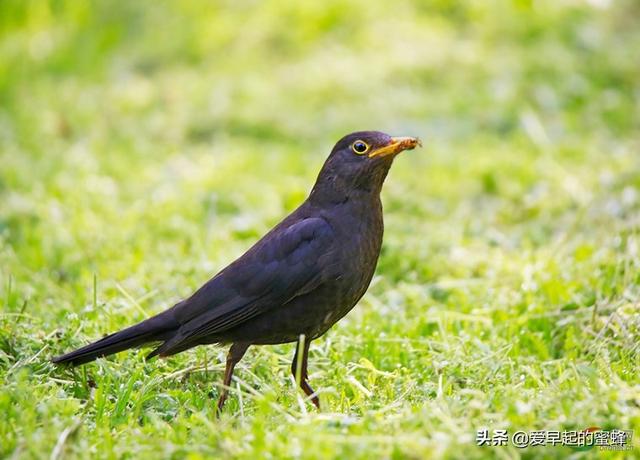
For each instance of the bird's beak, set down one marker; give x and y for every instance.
(397, 145)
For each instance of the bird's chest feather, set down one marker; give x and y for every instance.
(359, 229)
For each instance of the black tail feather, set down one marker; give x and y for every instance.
(157, 328)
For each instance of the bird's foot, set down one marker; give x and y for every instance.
(221, 400)
(316, 401)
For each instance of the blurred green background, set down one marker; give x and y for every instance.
(144, 145)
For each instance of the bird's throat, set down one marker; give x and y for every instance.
(336, 188)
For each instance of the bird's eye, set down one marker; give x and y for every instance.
(360, 147)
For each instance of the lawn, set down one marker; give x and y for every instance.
(145, 145)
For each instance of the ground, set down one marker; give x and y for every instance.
(145, 145)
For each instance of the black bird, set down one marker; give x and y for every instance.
(296, 282)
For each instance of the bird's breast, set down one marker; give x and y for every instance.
(359, 228)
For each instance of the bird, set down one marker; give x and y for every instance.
(294, 283)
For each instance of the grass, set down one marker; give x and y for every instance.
(145, 145)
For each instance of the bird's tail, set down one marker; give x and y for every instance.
(156, 328)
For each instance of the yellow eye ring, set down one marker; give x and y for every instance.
(360, 147)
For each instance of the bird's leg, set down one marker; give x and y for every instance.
(236, 352)
(299, 369)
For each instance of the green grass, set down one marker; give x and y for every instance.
(145, 145)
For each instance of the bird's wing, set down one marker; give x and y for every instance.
(286, 263)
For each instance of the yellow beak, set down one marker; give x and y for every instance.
(397, 145)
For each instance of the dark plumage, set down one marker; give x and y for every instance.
(298, 280)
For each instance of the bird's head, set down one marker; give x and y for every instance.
(359, 163)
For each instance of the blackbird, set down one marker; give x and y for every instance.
(295, 283)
